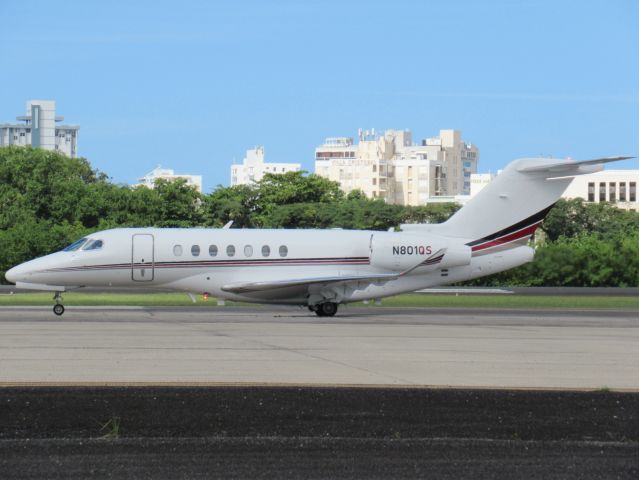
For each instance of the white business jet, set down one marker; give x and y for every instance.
(319, 269)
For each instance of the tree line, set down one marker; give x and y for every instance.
(48, 200)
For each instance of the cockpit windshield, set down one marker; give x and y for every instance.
(76, 245)
(85, 244)
(93, 245)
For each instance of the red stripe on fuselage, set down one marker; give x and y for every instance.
(511, 237)
(221, 263)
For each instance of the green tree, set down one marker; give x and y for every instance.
(237, 203)
(296, 187)
(47, 184)
(572, 218)
(179, 205)
(365, 214)
(431, 213)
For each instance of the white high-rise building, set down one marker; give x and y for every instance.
(40, 129)
(169, 174)
(253, 168)
(392, 167)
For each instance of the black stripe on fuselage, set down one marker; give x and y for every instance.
(537, 217)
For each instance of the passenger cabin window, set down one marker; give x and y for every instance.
(248, 251)
(230, 250)
(93, 245)
(177, 250)
(213, 250)
(195, 250)
(266, 251)
(75, 245)
(283, 250)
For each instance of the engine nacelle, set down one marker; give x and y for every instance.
(400, 252)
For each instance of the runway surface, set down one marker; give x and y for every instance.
(361, 346)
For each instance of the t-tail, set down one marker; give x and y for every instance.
(509, 209)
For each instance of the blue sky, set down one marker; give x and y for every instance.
(191, 85)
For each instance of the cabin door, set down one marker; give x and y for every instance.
(142, 258)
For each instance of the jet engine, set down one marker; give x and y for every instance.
(400, 252)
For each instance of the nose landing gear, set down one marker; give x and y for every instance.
(58, 308)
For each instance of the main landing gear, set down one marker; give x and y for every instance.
(327, 309)
(58, 308)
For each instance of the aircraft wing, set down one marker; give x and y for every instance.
(567, 165)
(249, 287)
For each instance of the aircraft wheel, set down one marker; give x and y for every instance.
(327, 309)
(58, 309)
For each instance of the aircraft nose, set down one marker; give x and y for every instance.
(17, 273)
(12, 275)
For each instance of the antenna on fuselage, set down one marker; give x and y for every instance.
(228, 225)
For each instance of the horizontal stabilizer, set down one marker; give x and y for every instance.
(568, 165)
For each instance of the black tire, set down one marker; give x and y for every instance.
(327, 309)
(58, 309)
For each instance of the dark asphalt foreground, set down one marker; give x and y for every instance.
(316, 432)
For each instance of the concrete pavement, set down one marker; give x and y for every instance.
(365, 346)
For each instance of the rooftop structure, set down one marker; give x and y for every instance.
(169, 174)
(253, 167)
(41, 128)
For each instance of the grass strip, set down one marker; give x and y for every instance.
(406, 300)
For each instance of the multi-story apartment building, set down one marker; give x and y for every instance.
(364, 166)
(168, 174)
(391, 167)
(253, 168)
(39, 129)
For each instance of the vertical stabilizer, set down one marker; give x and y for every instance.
(512, 206)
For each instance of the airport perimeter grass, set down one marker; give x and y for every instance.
(407, 300)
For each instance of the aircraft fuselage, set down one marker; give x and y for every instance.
(210, 260)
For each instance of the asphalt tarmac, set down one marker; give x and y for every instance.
(316, 432)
